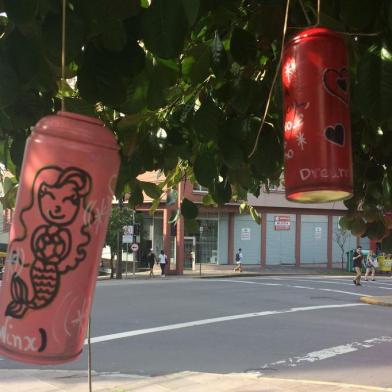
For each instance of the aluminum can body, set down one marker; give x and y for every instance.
(317, 129)
(57, 234)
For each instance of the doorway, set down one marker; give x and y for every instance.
(189, 252)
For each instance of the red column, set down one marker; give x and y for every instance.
(166, 235)
(263, 252)
(329, 241)
(297, 240)
(230, 236)
(180, 235)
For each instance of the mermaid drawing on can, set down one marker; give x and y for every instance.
(56, 244)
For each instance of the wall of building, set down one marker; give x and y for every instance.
(280, 244)
(223, 238)
(247, 236)
(314, 239)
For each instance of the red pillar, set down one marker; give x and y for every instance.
(297, 240)
(263, 252)
(329, 241)
(166, 236)
(230, 236)
(180, 235)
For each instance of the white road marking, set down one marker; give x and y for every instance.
(195, 323)
(368, 284)
(361, 294)
(329, 352)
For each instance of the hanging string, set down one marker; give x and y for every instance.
(273, 81)
(318, 12)
(63, 53)
(305, 13)
(90, 386)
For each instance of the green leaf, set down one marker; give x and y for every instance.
(152, 190)
(9, 199)
(191, 8)
(374, 89)
(189, 209)
(162, 75)
(208, 201)
(164, 27)
(196, 64)
(80, 106)
(9, 85)
(243, 46)
(218, 56)
(359, 14)
(136, 195)
(175, 216)
(8, 184)
(255, 215)
(221, 192)
(207, 120)
(75, 36)
(248, 97)
(114, 37)
(21, 11)
(205, 169)
(17, 150)
(136, 95)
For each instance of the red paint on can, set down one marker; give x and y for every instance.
(317, 130)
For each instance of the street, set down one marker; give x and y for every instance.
(283, 326)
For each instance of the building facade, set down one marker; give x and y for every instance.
(290, 233)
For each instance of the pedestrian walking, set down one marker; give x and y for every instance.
(162, 262)
(358, 260)
(238, 260)
(371, 265)
(151, 260)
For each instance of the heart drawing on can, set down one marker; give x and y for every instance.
(336, 83)
(335, 134)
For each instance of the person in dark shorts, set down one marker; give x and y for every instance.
(151, 260)
(358, 260)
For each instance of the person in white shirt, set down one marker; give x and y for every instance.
(162, 262)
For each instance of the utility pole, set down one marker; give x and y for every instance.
(119, 245)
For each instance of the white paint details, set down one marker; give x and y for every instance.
(329, 352)
(344, 283)
(358, 294)
(196, 323)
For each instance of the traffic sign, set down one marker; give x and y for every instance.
(127, 239)
(135, 247)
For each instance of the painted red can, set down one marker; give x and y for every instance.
(63, 205)
(317, 134)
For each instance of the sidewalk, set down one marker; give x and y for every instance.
(384, 300)
(225, 271)
(56, 381)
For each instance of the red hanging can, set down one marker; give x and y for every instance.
(317, 134)
(63, 205)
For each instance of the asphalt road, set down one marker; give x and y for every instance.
(294, 327)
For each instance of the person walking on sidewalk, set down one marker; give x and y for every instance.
(371, 264)
(162, 262)
(358, 260)
(151, 260)
(238, 260)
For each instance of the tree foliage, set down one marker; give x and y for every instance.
(184, 83)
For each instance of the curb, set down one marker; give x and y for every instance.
(384, 301)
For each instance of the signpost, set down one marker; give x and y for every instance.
(245, 234)
(282, 222)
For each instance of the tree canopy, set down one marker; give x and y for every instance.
(184, 85)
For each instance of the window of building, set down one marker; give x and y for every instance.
(199, 188)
